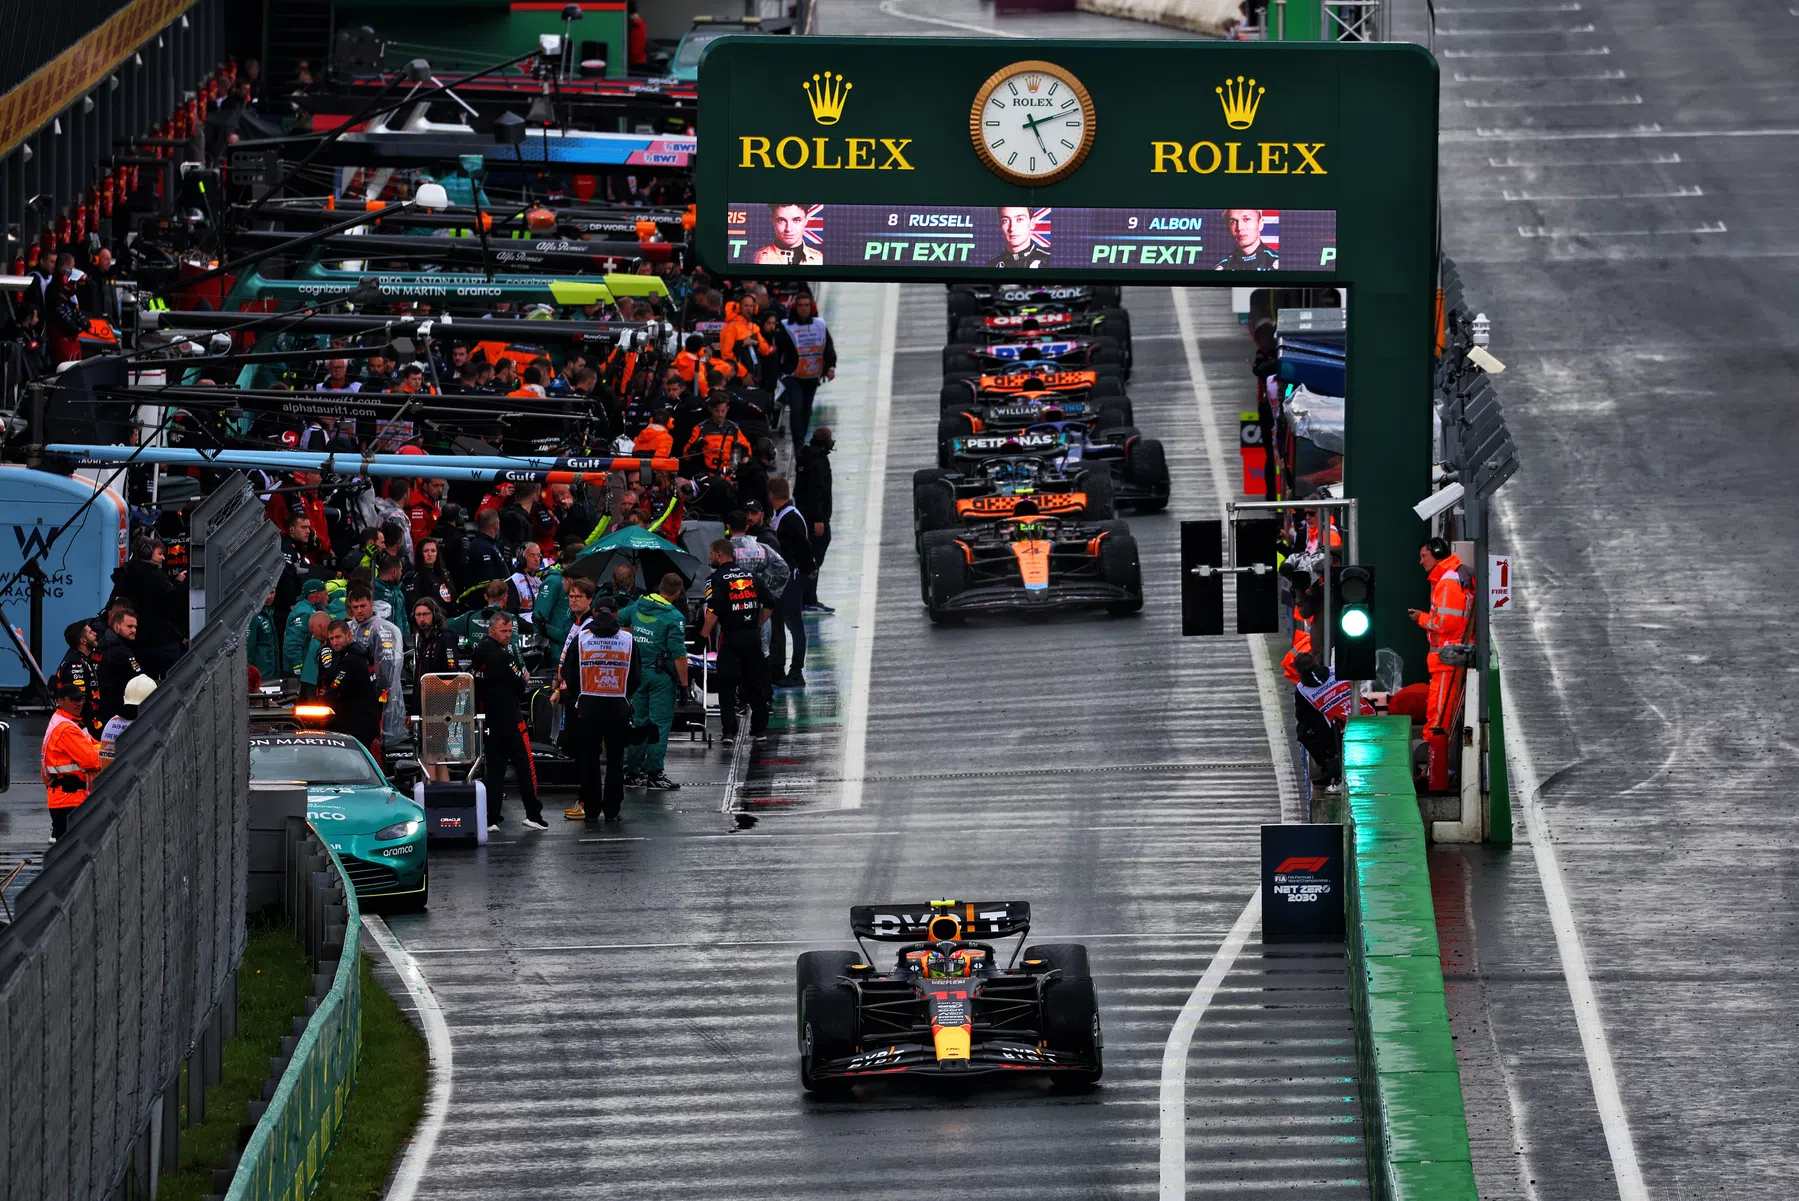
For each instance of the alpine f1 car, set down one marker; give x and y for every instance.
(967, 360)
(1139, 465)
(944, 1006)
(378, 833)
(1049, 322)
(1030, 564)
(947, 500)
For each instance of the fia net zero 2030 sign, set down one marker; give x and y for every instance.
(897, 158)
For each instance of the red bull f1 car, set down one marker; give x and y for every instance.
(943, 1005)
(1139, 465)
(1030, 563)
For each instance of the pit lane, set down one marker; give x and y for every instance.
(621, 1007)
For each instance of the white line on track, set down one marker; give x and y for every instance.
(1685, 192)
(1607, 1097)
(1544, 231)
(892, 9)
(1595, 51)
(1180, 936)
(1174, 1055)
(855, 728)
(1272, 719)
(1173, 1090)
(411, 1172)
(1652, 160)
(1646, 132)
(1608, 102)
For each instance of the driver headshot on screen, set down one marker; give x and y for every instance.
(789, 246)
(1015, 228)
(1245, 229)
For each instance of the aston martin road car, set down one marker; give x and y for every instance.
(947, 500)
(379, 834)
(943, 1004)
(1030, 563)
(965, 360)
(1139, 465)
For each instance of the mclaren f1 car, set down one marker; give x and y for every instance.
(1029, 379)
(944, 1005)
(992, 491)
(1030, 563)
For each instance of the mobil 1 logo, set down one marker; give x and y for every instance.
(1302, 883)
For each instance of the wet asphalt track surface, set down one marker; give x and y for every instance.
(1618, 184)
(622, 1011)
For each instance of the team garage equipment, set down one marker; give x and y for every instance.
(946, 1007)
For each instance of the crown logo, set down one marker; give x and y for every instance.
(1240, 102)
(1033, 82)
(827, 93)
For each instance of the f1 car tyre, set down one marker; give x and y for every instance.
(1107, 385)
(1105, 369)
(1107, 296)
(1070, 1007)
(955, 392)
(961, 375)
(1114, 413)
(949, 579)
(1104, 343)
(959, 356)
(1148, 465)
(969, 329)
(827, 1031)
(1109, 356)
(1117, 435)
(955, 423)
(963, 302)
(925, 542)
(926, 475)
(1115, 324)
(1097, 484)
(1119, 566)
(934, 507)
(824, 969)
(1069, 958)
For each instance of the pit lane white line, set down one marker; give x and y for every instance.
(855, 732)
(411, 1172)
(1173, 1106)
(1607, 1097)
(1200, 936)
(892, 9)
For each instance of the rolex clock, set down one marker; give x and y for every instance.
(1032, 123)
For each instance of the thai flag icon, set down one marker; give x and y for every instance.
(815, 225)
(1040, 228)
(1271, 229)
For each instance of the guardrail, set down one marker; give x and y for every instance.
(294, 1130)
(1411, 1089)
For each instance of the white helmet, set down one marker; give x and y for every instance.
(139, 689)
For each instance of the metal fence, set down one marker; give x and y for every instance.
(128, 941)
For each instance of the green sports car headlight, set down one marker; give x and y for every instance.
(405, 829)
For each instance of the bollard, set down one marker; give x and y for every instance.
(170, 1157)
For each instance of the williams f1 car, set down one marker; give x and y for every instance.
(944, 1006)
(1030, 563)
(1139, 465)
(947, 500)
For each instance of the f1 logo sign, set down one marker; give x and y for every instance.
(1296, 863)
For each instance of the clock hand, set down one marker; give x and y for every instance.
(1033, 122)
(1039, 135)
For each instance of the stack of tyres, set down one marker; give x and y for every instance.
(1036, 454)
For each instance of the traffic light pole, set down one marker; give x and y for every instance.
(1352, 549)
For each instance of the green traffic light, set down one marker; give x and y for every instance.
(1353, 622)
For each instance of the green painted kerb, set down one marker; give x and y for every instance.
(1411, 1090)
(287, 1151)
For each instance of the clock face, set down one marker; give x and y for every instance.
(1032, 123)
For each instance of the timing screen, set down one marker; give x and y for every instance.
(1027, 239)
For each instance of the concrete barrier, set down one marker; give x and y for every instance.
(1411, 1090)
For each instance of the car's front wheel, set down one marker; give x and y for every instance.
(827, 1032)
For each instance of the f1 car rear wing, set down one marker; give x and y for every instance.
(912, 922)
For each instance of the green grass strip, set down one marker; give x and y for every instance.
(272, 987)
(385, 1106)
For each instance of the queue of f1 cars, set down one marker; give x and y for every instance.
(1036, 455)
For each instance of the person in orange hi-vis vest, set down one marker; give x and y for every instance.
(71, 756)
(1445, 625)
(657, 439)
